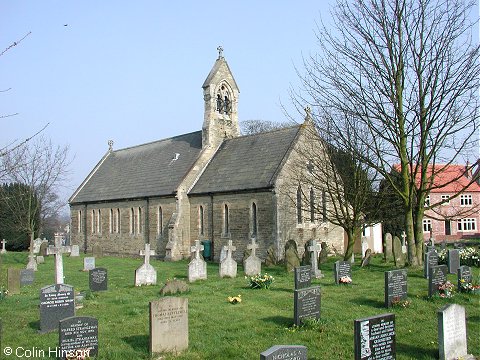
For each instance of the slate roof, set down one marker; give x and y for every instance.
(247, 162)
(141, 171)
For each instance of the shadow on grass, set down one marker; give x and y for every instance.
(279, 320)
(137, 342)
(35, 325)
(412, 352)
(474, 319)
(369, 302)
(273, 288)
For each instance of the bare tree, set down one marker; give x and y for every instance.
(406, 74)
(258, 126)
(43, 169)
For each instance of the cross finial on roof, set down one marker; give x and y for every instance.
(220, 52)
(110, 145)
(308, 112)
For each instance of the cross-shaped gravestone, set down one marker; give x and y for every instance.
(315, 249)
(146, 274)
(3, 251)
(197, 248)
(404, 242)
(228, 267)
(252, 265)
(253, 246)
(197, 268)
(32, 262)
(57, 251)
(147, 253)
(230, 248)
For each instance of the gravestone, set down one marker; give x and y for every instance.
(27, 277)
(43, 248)
(341, 269)
(374, 337)
(388, 246)
(270, 259)
(306, 259)
(364, 245)
(228, 267)
(323, 253)
(32, 262)
(453, 261)
(57, 302)
(464, 273)
(197, 268)
(3, 251)
(452, 333)
(438, 276)
(75, 251)
(98, 279)
(315, 250)
(36, 245)
(40, 259)
(97, 251)
(78, 338)
(292, 260)
(431, 259)
(395, 286)
(404, 242)
(306, 304)
(146, 274)
(366, 258)
(168, 325)
(303, 277)
(172, 287)
(58, 250)
(285, 352)
(252, 264)
(399, 257)
(88, 263)
(13, 281)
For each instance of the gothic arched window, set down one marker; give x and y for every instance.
(254, 219)
(224, 102)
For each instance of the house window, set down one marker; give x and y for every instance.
(446, 199)
(299, 205)
(159, 221)
(226, 225)
(469, 224)
(427, 201)
(254, 219)
(466, 199)
(94, 218)
(139, 220)
(80, 221)
(201, 224)
(312, 205)
(427, 225)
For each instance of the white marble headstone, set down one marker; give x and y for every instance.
(252, 264)
(228, 267)
(197, 268)
(452, 332)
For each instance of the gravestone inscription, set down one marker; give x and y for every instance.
(27, 277)
(78, 337)
(57, 302)
(285, 352)
(374, 338)
(306, 304)
(342, 269)
(303, 277)
(438, 277)
(395, 286)
(464, 274)
(98, 279)
(453, 261)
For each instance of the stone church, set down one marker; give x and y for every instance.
(212, 184)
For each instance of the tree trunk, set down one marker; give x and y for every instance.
(352, 235)
(409, 230)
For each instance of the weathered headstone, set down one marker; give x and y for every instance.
(168, 325)
(364, 245)
(32, 262)
(13, 281)
(197, 268)
(431, 259)
(146, 274)
(404, 242)
(252, 264)
(367, 257)
(98, 279)
(395, 286)
(323, 253)
(438, 277)
(285, 352)
(57, 302)
(78, 338)
(43, 248)
(88, 263)
(452, 333)
(228, 267)
(40, 259)
(292, 260)
(342, 269)
(172, 287)
(270, 259)
(306, 304)
(399, 257)
(464, 273)
(374, 337)
(3, 251)
(303, 277)
(75, 251)
(27, 277)
(315, 250)
(36, 245)
(453, 261)
(388, 245)
(97, 251)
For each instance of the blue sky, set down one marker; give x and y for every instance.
(132, 71)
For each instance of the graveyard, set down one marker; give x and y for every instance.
(218, 329)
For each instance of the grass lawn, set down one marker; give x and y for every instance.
(219, 330)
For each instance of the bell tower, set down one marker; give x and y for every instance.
(220, 93)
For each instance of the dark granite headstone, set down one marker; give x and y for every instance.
(464, 273)
(98, 279)
(395, 286)
(13, 281)
(438, 276)
(303, 277)
(285, 352)
(374, 338)
(78, 337)
(27, 276)
(57, 302)
(453, 261)
(341, 269)
(431, 259)
(306, 304)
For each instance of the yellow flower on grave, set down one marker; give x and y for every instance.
(234, 299)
